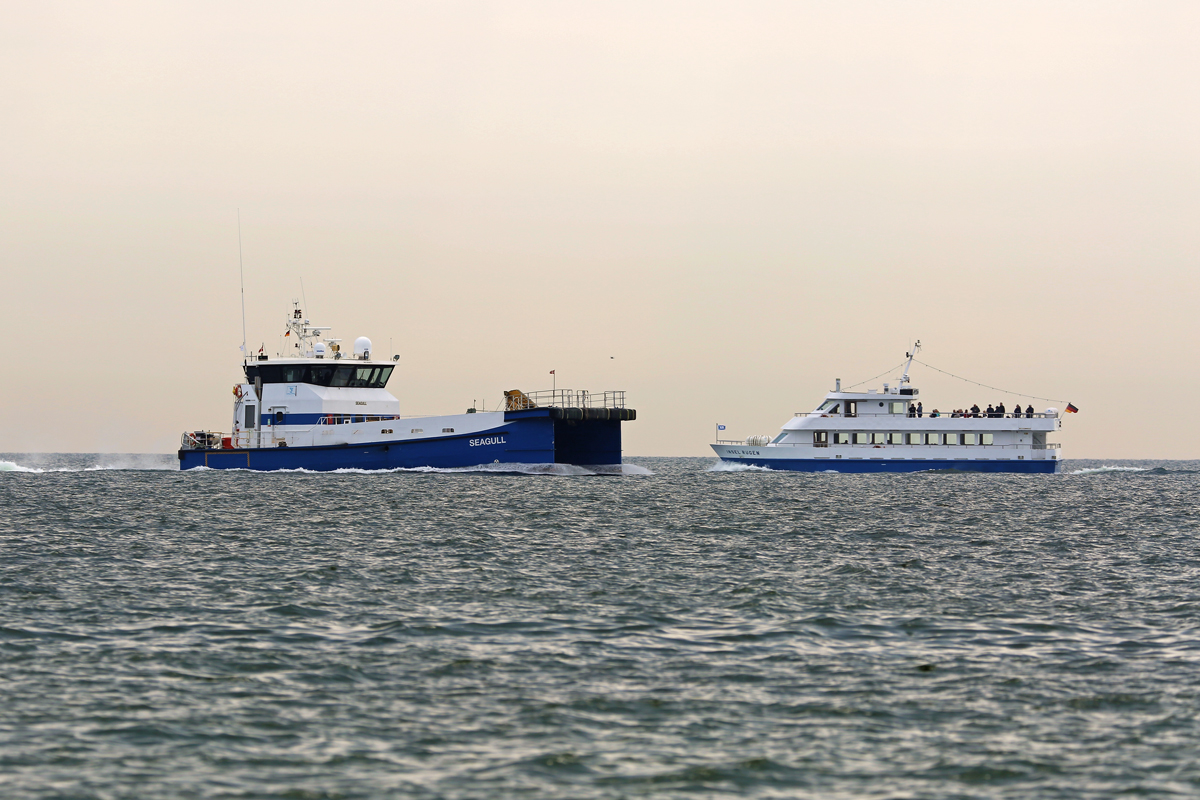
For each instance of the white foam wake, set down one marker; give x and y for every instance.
(1102, 470)
(100, 463)
(733, 466)
(9, 466)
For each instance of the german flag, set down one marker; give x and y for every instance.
(1071, 409)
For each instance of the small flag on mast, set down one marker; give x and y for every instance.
(720, 427)
(551, 372)
(1071, 409)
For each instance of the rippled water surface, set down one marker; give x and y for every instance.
(681, 633)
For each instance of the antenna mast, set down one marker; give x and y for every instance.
(242, 277)
(911, 356)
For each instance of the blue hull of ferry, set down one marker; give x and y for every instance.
(907, 465)
(527, 437)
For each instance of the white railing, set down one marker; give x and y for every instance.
(925, 415)
(1047, 446)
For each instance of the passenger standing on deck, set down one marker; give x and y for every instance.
(1000, 411)
(1029, 411)
(920, 410)
(991, 412)
(912, 410)
(975, 410)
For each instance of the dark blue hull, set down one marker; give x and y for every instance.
(897, 465)
(536, 436)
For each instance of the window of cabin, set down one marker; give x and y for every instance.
(933, 438)
(895, 438)
(821, 438)
(951, 438)
(841, 438)
(916, 438)
(829, 407)
(878, 438)
(862, 438)
(985, 438)
(851, 408)
(898, 407)
(321, 376)
(969, 438)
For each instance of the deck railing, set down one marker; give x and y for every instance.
(564, 398)
(1047, 446)
(926, 415)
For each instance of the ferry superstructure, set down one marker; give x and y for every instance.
(882, 431)
(322, 409)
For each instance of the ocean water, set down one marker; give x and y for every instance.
(676, 632)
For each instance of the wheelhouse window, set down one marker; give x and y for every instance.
(341, 375)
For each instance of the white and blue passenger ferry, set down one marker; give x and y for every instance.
(319, 408)
(888, 431)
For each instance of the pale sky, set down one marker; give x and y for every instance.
(718, 207)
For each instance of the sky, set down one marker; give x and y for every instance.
(719, 207)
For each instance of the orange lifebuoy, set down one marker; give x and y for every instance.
(237, 391)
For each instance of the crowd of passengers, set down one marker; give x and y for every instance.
(997, 411)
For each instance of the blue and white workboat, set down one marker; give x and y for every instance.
(886, 431)
(321, 409)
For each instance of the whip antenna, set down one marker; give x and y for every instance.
(242, 278)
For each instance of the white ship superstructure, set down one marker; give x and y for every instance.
(890, 430)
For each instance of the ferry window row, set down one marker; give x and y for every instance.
(833, 408)
(348, 376)
(822, 438)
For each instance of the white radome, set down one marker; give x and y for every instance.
(362, 346)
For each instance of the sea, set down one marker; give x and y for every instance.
(680, 630)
